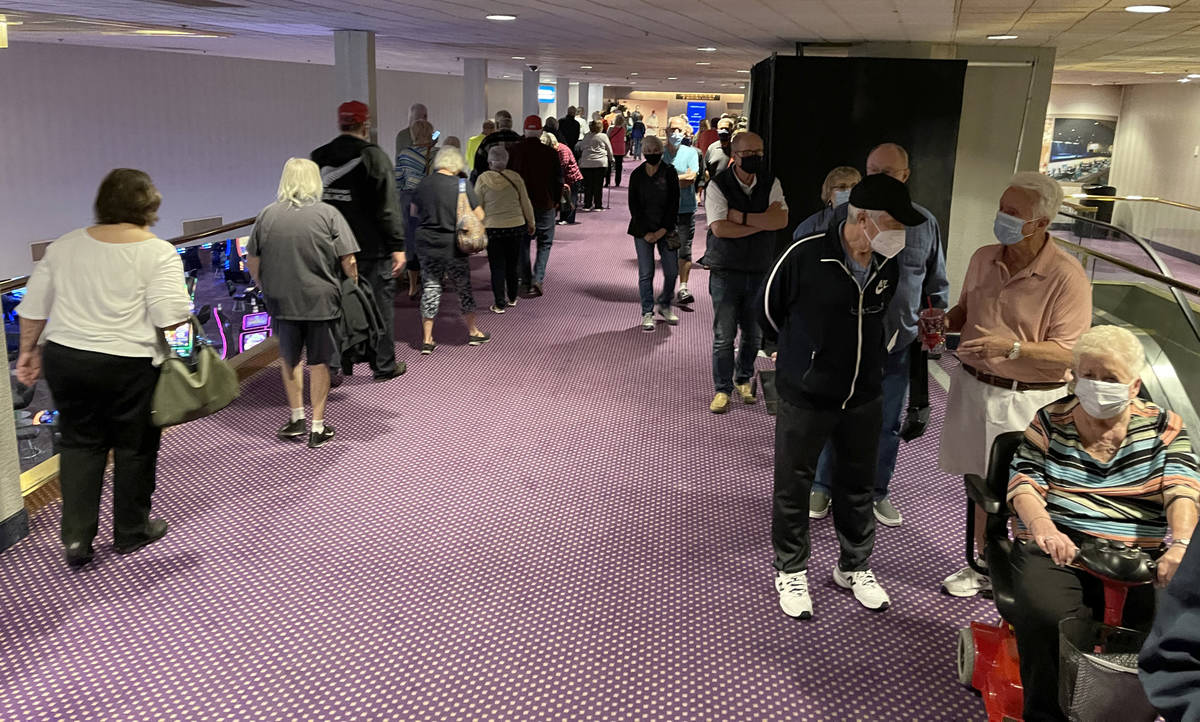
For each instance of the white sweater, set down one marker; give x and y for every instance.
(107, 298)
(596, 151)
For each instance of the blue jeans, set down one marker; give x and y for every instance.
(670, 266)
(544, 221)
(735, 296)
(895, 390)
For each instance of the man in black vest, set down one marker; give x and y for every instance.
(360, 182)
(826, 300)
(744, 206)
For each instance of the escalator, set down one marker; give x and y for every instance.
(1133, 287)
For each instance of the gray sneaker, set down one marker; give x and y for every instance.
(818, 505)
(887, 514)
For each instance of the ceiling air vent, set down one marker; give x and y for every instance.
(201, 3)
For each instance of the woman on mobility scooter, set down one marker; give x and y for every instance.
(1100, 463)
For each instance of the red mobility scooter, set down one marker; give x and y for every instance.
(1098, 661)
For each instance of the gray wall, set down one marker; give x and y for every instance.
(11, 505)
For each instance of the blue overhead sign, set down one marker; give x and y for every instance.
(546, 94)
(696, 112)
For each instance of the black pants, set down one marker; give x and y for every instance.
(567, 211)
(103, 403)
(616, 167)
(1046, 594)
(378, 273)
(593, 187)
(504, 254)
(800, 434)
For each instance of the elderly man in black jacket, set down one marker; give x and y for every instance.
(825, 300)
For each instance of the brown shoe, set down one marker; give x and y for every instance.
(720, 403)
(746, 391)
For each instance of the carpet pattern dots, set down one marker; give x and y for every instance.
(550, 526)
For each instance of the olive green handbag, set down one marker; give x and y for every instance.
(190, 389)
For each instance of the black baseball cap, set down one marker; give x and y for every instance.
(881, 192)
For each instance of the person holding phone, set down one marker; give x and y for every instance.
(100, 300)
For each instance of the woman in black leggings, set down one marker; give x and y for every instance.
(596, 154)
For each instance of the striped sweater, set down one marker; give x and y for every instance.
(1124, 499)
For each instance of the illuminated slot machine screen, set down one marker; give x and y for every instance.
(256, 328)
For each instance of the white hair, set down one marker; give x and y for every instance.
(497, 157)
(1112, 342)
(504, 120)
(1047, 190)
(451, 159)
(652, 143)
(300, 183)
(852, 212)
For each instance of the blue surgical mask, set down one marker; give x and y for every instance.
(677, 137)
(1009, 229)
(840, 198)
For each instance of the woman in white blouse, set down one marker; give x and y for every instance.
(98, 301)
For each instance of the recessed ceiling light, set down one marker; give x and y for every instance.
(672, 78)
(501, 17)
(1155, 72)
(1003, 37)
(633, 74)
(585, 67)
(744, 71)
(1194, 76)
(1185, 80)
(518, 57)
(1147, 9)
(742, 87)
(703, 63)
(699, 81)
(707, 50)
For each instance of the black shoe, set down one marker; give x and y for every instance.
(155, 529)
(479, 340)
(292, 430)
(535, 290)
(317, 440)
(78, 554)
(401, 367)
(427, 348)
(685, 297)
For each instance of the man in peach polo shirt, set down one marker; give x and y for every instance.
(1023, 305)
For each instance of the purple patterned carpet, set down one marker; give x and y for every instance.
(551, 526)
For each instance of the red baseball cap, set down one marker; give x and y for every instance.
(353, 112)
(533, 122)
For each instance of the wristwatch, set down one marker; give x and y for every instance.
(1015, 352)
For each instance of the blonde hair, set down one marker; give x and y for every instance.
(1047, 190)
(1111, 342)
(300, 183)
(422, 132)
(841, 174)
(451, 159)
(550, 139)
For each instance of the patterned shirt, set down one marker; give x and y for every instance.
(1125, 498)
(411, 168)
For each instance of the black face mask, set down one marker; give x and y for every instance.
(751, 164)
(653, 158)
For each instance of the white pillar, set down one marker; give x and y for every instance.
(562, 95)
(529, 95)
(595, 99)
(14, 522)
(585, 112)
(354, 71)
(475, 109)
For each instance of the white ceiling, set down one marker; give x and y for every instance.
(1097, 40)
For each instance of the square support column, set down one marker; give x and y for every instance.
(354, 71)
(475, 109)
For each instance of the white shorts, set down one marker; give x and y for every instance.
(977, 413)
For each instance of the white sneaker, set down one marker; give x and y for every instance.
(793, 594)
(866, 590)
(647, 322)
(668, 315)
(966, 582)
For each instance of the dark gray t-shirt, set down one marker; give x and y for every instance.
(437, 216)
(301, 250)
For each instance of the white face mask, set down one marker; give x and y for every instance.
(1102, 399)
(887, 243)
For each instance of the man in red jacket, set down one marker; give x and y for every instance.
(539, 166)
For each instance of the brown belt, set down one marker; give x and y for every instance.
(1011, 384)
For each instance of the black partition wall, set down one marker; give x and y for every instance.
(818, 113)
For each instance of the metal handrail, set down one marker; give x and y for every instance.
(20, 281)
(1163, 276)
(1135, 199)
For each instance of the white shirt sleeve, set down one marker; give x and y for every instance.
(167, 298)
(777, 194)
(39, 292)
(715, 205)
